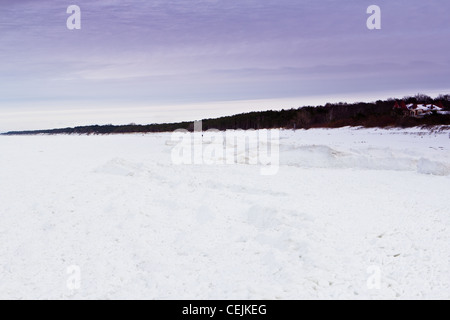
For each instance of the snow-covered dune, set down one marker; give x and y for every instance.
(349, 213)
(397, 150)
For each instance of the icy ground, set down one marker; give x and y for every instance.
(350, 214)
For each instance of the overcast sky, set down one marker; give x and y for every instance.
(147, 61)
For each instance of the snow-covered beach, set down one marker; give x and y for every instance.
(350, 213)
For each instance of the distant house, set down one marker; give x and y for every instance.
(418, 110)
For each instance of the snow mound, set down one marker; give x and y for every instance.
(314, 156)
(426, 166)
(322, 156)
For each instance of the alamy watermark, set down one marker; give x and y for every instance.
(73, 282)
(74, 20)
(214, 147)
(374, 279)
(374, 21)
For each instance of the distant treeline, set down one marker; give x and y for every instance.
(379, 114)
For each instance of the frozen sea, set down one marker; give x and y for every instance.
(347, 214)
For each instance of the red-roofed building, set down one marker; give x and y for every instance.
(418, 110)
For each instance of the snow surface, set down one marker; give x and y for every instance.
(347, 206)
